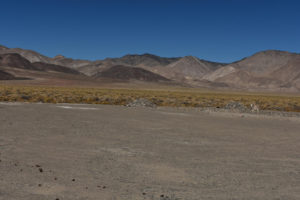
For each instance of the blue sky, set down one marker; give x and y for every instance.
(216, 30)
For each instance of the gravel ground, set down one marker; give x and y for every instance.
(79, 152)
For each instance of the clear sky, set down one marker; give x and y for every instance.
(217, 30)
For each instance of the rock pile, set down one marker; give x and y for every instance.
(254, 108)
(239, 107)
(236, 107)
(141, 103)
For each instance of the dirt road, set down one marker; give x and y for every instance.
(79, 152)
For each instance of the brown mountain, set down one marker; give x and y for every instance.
(16, 61)
(6, 76)
(271, 70)
(145, 61)
(30, 55)
(188, 68)
(265, 62)
(266, 70)
(289, 71)
(129, 73)
(33, 56)
(55, 68)
(69, 62)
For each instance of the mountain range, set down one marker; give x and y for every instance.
(270, 70)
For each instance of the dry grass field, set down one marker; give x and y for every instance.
(161, 97)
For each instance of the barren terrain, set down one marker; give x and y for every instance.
(69, 152)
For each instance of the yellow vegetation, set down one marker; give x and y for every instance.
(188, 98)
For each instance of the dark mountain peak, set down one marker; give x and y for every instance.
(122, 72)
(3, 47)
(58, 57)
(51, 67)
(141, 60)
(196, 59)
(190, 58)
(11, 55)
(14, 60)
(272, 52)
(141, 56)
(17, 61)
(10, 58)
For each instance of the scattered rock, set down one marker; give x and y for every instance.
(236, 107)
(141, 103)
(254, 108)
(41, 170)
(73, 179)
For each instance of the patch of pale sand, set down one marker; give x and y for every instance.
(58, 190)
(125, 151)
(119, 151)
(11, 103)
(174, 113)
(166, 173)
(77, 108)
(47, 189)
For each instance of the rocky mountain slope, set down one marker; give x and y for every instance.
(145, 61)
(6, 76)
(15, 60)
(129, 73)
(188, 68)
(266, 70)
(270, 70)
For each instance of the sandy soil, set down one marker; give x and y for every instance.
(79, 152)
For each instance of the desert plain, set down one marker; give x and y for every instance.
(79, 151)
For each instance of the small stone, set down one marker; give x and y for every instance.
(254, 108)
